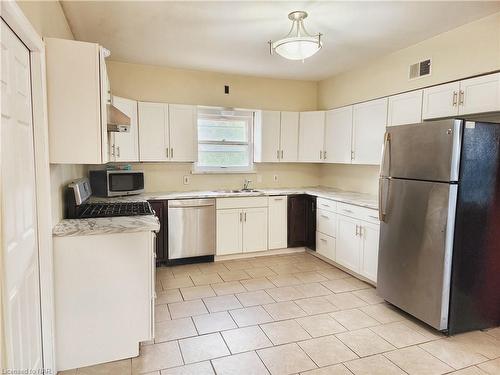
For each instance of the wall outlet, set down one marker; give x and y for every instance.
(275, 178)
(186, 179)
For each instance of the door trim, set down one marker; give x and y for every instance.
(17, 21)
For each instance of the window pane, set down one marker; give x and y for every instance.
(223, 155)
(222, 130)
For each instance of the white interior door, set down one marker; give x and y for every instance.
(289, 136)
(153, 131)
(21, 290)
(183, 132)
(126, 145)
(338, 135)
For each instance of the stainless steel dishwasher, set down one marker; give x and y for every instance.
(191, 228)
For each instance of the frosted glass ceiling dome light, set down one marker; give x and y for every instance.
(298, 44)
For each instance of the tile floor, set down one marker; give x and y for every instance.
(292, 314)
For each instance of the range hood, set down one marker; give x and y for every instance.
(117, 120)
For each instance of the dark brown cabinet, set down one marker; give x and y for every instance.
(302, 221)
(160, 208)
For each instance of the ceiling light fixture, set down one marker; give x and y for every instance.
(298, 44)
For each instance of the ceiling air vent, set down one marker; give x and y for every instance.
(420, 69)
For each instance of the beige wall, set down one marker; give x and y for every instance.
(169, 177)
(471, 49)
(468, 50)
(48, 19)
(163, 84)
(154, 83)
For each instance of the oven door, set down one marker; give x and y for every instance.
(125, 183)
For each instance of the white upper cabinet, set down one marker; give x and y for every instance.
(467, 97)
(276, 136)
(338, 133)
(267, 136)
(124, 146)
(440, 101)
(289, 136)
(183, 133)
(77, 95)
(369, 122)
(311, 136)
(479, 95)
(405, 108)
(167, 132)
(153, 132)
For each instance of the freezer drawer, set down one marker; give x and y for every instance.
(191, 228)
(416, 245)
(428, 151)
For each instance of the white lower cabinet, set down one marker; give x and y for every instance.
(348, 235)
(277, 220)
(242, 225)
(369, 234)
(325, 245)
(254, 229)
(348, 252)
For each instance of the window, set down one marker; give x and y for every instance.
(224, 140)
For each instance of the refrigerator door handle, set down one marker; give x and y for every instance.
(386, 149)
(382, 195)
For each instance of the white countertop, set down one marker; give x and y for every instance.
(80, 227)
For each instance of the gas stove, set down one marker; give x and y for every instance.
(78, 205)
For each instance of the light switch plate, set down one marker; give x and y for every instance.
(186, 179)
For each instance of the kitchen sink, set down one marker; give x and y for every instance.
(238, 191)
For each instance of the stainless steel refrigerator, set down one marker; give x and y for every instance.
(439, 253)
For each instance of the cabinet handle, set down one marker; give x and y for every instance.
(356, 230)
(112, 150)
(353, 155)
(324, 216)
(320, 155)
(171, 152)
(278, 199)
(241, 217)
(461, 97)
(324, 155)
(118, 148)
(277, 154)
(373, 217)
(168, 155)
(348, 211)
(455, 95)
(245, 216)
(281, 154)
(322, 239)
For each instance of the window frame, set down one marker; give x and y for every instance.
(219, 114)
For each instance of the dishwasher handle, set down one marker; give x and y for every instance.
(191, 203)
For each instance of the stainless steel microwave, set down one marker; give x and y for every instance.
(112, 183)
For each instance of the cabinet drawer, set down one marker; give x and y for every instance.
(241, 202)
(325, 245)
(327, 205)
(358, 212)
(326, 222)
(277, 200)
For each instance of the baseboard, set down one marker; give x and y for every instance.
(289, 250)
(346, 270)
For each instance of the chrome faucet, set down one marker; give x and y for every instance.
(246, 183)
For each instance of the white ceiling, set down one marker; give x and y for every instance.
(231, 36)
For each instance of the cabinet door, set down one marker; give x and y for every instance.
(325, 245)
(125, 147)
(183, 132)
(311, 136)
(310, 221)
(348, 247)
(338, 135)
(255, 229)
(153, 131)
(277, 218)
(289, 136)
(105, 96)
(405, 108)
(267, 136)
(480, 94)
(369, 121)
(160, 208)
(326, 222)
(369, 234)
(229, 231)
(297, 220)
(440, 101)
